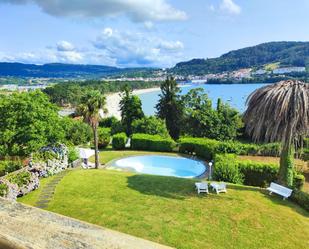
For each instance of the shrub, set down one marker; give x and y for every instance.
(202, 147)
(226, 169)
(104, 137)
(9, 166)
(76, 132)
(3, 189)
(117, 128)
(20, 179)
(151, 142)
(207, 148)
(305, 154)
(119, 141)
(301, 198)
(257, 173)
(108, 122)
(150, 125)
(72, 154)
(298, 181)
(44, 156)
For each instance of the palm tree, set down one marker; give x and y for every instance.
(280, 112)
(92, 103)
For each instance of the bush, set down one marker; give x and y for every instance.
(151, 142)
(108, 122)
(119, 141)
(257, 173)
(301, 198)
(72, 154)
(117, 128)
(20, 179)
(226, 169)
(44, 156)
(202, 147)
(298, 181)
(150, 125)
(207, 148)
(305, 154)
(76, 132)
(3, 189)
(104, 137)
(9, 166)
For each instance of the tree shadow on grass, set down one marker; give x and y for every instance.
(169, 187)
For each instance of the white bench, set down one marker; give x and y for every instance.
(280, 190)
(218, 187)
(202, 187)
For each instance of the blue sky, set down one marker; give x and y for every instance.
(143, 32)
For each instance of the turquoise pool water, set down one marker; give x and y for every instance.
(162, 165)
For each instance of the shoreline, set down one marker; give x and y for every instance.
(113, 99)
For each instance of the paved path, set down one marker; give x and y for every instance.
(48, 190)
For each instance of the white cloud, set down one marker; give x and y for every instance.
(137, 10)
(136, 49)
(230, 7)
(65, 46)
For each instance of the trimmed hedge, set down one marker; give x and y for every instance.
(207, 148)
(119, 141)
(301, 198)
(141, 141)
(230, 169)
(257, 173)
(226, 169)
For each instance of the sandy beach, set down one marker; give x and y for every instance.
(112, 101)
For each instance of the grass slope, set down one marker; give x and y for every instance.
(167, 210)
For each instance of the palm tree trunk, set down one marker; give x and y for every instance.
(286, 165)
(96, 147)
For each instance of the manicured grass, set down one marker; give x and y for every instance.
(109, 154)
(167, 210)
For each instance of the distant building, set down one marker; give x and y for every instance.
(284, 70)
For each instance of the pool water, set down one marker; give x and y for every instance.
(161, 165)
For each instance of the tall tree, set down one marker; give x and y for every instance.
(28, 122)
(169, 107)
(131, 109)
(280, 112)
(92, 104)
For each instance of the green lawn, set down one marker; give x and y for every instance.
(167, 210)
(108, 155)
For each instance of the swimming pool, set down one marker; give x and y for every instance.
(161, 165)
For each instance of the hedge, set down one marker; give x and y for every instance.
(207, 148)
(301, 198)
(258, 173)
(228, 168)
(141, 141)
(119, 141)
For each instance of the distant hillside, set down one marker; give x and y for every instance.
(284, 53)
(58, 70)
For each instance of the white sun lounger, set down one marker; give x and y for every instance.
(218, 187)
(280, 190)
(201, 187)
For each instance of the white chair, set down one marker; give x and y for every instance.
(219, 187)
(280, 190)
(201, 187)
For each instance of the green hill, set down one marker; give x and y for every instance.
(282, 53)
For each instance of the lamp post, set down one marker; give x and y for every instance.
(210, 170)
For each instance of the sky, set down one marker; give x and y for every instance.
(143, 33)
